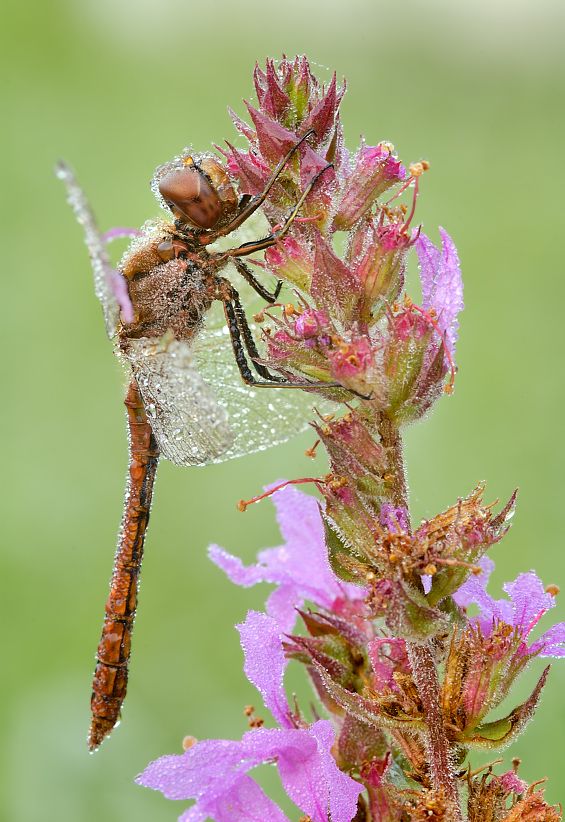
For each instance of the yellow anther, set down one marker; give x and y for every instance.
(417, 169)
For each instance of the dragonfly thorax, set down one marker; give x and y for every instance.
(173, 296)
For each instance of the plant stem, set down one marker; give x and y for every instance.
(422, 659)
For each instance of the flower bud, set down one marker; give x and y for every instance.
(351, 361)
(380, 264)
(375, 170)
(405, 361)
(311, 324)
(290, 260)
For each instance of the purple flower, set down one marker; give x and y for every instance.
(528, 601)
(442, 285)
(393, 518)
(214, 771)
(265, 662)
(300, 568)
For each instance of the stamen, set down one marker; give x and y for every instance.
(318, 481)
(489, 765)
(311, 452)
(458, 563)
(535, 621)
(253, 720)
(413, 209)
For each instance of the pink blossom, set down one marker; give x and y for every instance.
(512, 783)
(375, 169)
(442, 285)
(351, 359)
(300, 568)
(528, 602)
(290, 261)
(265, 662)
(310, 324)
(214, 771)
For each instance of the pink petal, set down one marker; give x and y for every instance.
(212, 772)
(300, 568)
(552, 643)
(315, 783)
(246, 802)
(529, 600)
(442, 285)
(265, 662)
(474, 590)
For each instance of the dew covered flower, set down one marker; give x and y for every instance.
(442, 286)
(407, 677)
(527, 602)
(299, 568)
(214, 772)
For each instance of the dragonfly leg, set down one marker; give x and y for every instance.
(242, 342)
(247, 274)
(251, 206)
(272, 239)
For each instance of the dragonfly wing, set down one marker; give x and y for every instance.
(258, 417)
(189, 424)
(101, 266)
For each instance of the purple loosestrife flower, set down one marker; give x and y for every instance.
(300, 568)
(214, 772)
(408, 679)
(442, 286)
(528, 602)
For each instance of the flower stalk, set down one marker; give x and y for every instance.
(421, 656)
(407, 679)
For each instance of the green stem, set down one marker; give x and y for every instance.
(422, 659)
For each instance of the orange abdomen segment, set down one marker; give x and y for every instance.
(111, 674)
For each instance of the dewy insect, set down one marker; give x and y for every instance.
(185, 400)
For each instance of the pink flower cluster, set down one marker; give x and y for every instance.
(407, 677)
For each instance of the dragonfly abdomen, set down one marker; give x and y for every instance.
(111, 674)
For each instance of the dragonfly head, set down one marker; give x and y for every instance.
(199, 192)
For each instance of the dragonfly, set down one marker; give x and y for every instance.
(192, 398)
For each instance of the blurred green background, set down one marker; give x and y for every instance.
(118, 86)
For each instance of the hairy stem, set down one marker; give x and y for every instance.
(422, 660)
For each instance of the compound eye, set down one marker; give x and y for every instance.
(190, 197)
